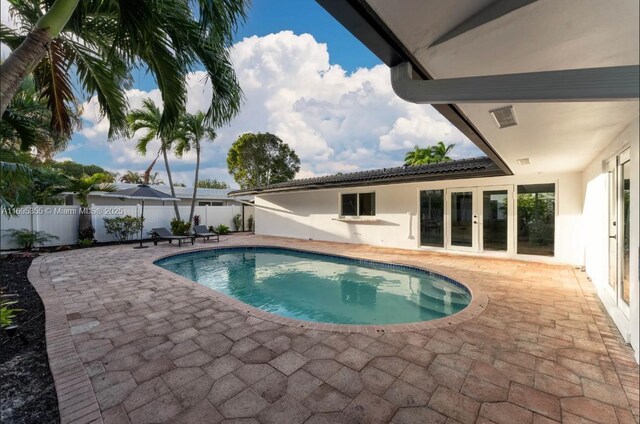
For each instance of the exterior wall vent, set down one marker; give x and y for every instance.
(523, 161)
(505, 117)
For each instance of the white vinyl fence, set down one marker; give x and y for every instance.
(62, 221)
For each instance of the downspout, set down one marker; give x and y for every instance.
(571, 85)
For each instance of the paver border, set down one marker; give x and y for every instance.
(77, 403)
(479, 298)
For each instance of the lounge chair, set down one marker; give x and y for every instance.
(160, 234)
(202, 231)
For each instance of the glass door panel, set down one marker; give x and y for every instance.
(462, 219)
(495, 220)
(432, 218)
(613, 229)
(619, 172)
(624, 233)
(536, 219)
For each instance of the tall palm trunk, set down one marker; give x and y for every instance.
(27, 56)
(195, 185)
(173, 191)
(147, 173)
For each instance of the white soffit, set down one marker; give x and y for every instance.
(541, 36)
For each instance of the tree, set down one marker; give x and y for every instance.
(418, 156)
(213, 183)
(431, 154)
(196, 129)
(76, 170)
(258, 160)
(155, 179)
(25, 124)
(131, 177)
(14, 185)
(102, 42)
(149, 118)
(81, 187)
(440, 152)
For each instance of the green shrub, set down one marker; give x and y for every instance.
(85, 242)
(222, 229)
(28, 239)
(179, 227)
(7, 314)
(237, 221)
(123, 228)
(250, 222)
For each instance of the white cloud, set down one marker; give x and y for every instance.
(335, 121)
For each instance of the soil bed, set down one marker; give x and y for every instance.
(27, 392)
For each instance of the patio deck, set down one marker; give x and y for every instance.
(129, 344)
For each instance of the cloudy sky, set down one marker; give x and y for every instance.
(305, 79)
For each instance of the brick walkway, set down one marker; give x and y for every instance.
(149, 347)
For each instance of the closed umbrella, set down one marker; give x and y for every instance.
(142, 192)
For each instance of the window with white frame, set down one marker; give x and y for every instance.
(358, 204)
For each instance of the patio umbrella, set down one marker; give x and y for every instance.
(142, 192)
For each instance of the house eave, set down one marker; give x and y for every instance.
(495, 172)
(362, 21)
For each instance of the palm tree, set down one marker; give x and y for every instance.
(440, 152)
(102, 42)
(81, 187)
(418, 156)
(149, 118)
(131, 177)
(197, 129)
(25, 125)
(155, 179)
(15, 184)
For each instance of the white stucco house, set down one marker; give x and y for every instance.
(548, 90)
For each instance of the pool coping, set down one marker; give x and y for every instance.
(479, 298)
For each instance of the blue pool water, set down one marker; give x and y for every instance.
(322, 288)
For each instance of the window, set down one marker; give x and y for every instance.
(536, 219)
(432, 218)
(358, 204)
(349, 204)
(210, 204)
(367, 204)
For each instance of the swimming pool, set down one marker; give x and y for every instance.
(322, 288)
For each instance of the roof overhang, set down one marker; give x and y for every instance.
(477, 40)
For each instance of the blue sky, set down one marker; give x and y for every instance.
(305, 79)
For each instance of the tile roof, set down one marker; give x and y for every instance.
(464, 168)
(185, 192)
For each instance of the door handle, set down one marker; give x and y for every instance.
(613, 237)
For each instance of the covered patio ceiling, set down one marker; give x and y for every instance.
(470, 38)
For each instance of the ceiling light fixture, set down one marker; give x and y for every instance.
(504, 116)
(523, 161)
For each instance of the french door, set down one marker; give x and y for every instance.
(468, 219)
(462, 228)
(619, 180)
(496, 220)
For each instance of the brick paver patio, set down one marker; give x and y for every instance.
(130, 344)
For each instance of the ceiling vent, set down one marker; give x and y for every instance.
(505, 117)
(523, 161)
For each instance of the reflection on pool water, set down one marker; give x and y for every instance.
(322, 288)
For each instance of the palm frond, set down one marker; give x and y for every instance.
(52, 76)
